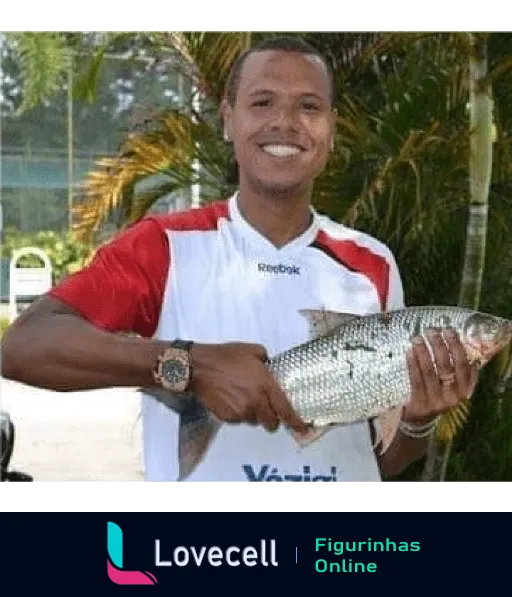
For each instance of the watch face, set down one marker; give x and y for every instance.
(174, 372)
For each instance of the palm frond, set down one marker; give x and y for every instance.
(385, 159)
(499, 50)
(86, 86)
(169, 151)
(90, 60)
(207, 56)
(452, 422)
(44, 59)
(144, 155)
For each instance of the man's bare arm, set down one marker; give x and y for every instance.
(401, 453)
(51, 346)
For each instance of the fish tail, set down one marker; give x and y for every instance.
(198, 428)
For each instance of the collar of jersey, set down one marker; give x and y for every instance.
(256, 238)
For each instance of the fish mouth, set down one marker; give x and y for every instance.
(505, 339)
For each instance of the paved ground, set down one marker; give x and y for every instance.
(78, 436)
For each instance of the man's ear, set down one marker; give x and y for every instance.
(226, 113)
(334, 118)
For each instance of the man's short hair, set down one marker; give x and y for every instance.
(286, 44)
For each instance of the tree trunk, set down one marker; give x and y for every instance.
(480, 169)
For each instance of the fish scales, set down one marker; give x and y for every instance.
(353, 368)
(358, 369)
(347, 376)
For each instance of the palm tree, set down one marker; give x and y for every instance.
(480, 173)
(46, 59)
(400, 172)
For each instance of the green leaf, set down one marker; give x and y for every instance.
(45, 60)
(86, 87)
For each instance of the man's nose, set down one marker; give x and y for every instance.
(285, 118)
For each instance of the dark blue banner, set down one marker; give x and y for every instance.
(235, 553)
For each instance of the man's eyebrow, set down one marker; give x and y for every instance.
(261, 91)
(264, 91)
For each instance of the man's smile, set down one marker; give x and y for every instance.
(281, 150)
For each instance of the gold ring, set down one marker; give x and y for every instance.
(448, 378)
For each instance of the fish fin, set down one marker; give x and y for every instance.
(171, 401)
(386, 426)
(195, 437)
(198, 427)
(322, 322)
(474, 356)
(311, 435)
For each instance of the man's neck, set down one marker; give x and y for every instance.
(280, 219)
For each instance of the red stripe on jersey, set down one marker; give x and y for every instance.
(122, 289)
(358, 259)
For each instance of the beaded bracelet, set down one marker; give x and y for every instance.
(418, 431)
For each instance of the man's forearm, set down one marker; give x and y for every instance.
(401, 453)
(61, 351)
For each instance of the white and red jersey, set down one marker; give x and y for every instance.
(206, 275)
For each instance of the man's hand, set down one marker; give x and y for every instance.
(432, 394)
(232, 381)
(435, 392)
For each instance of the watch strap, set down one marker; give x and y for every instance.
(182, 344)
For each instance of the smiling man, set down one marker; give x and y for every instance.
(212, 292)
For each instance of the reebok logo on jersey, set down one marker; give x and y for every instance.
(291, 270)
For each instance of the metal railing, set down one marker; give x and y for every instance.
(55, 152)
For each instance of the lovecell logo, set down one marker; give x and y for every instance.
(115, 570)
(265, 555)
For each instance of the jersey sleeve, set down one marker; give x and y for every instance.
(396, 298)
(121, 289)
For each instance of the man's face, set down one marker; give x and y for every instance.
(282, 122)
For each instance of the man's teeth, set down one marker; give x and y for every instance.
(281, 150)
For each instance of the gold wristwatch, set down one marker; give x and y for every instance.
(173, 370)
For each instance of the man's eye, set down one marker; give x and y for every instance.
(261, 103)
(310, 106)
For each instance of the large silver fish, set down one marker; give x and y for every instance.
(352, 369)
